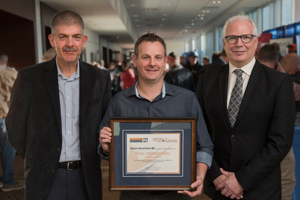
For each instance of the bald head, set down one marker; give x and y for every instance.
(290, 63)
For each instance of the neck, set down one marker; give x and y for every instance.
(149, 91)
(67, 69)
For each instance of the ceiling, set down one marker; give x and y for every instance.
(123, 21)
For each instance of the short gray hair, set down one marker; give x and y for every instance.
(68, 18)
(240, 18)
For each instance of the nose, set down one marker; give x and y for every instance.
(239, 42)
(152, 62)
(70, 41)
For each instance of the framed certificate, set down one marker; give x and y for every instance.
(152, 153)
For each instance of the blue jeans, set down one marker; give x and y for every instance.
(7, 156)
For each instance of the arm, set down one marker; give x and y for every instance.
(16, 120)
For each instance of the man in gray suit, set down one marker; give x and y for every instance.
(56, 109)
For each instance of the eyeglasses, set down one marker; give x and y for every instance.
(232, 39)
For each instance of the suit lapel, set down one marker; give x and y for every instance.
(51, 81)
(252, 86)
(223, 87)
(87, 81)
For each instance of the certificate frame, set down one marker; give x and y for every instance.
(168, 138)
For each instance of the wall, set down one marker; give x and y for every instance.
(24, 8)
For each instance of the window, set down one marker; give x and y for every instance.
(286, 12)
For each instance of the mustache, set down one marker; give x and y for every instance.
(70, 49)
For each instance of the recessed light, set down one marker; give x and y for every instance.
(219, 1)
(135, 15)
(133, 5)
(207, 11)
(118, 37)
(165, 14)
(214, 2)
(193, 24)
(204, 11)
(163, 19)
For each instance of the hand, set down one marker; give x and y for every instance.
(197, 185)
(219, 180)
(231, 187)
(105, 138)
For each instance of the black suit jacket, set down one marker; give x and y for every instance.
(261, 136)
(34, 125)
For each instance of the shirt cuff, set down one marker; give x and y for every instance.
(100, 152)
(203, 157)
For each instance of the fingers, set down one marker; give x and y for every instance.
(224, 172)
(105, 137)
(198, 185)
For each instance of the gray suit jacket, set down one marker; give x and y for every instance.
(34, 125)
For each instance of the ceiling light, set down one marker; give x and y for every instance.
(204, 11)
(161, 25)
(165, 14)
(199, 15)
(207, 11)
(185, 30)
(214, 1)
(203, 15)
(202, 18)
(163, 19)
(136, 20)
(135, 15)
(118, 37)
(133, 5)
(193, 24)
(219, 1)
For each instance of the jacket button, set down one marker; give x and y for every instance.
(53, 170)
(58, 149)
(232, 135)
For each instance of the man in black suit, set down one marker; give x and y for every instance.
(56, 109)
(249, 112)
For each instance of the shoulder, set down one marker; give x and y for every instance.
(93, 70)
(179, 91)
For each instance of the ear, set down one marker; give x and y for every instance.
(51, 40)
(85, 38)
(134, 59)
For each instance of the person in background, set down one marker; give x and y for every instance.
(101, 64)
(54, 116)
(49, 54)
(193, 65)
(205, 61)
(268, 55)
(7, 152)
(215, 56)
(115, 78)
(127, 77)
(182, 61)
(152, 97)
(178, 75)
(290, 63)
(250, 112)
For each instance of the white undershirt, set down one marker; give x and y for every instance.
(247, 69)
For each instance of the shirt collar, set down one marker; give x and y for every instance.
(163, 90)
(74, 76)
(247, 69)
